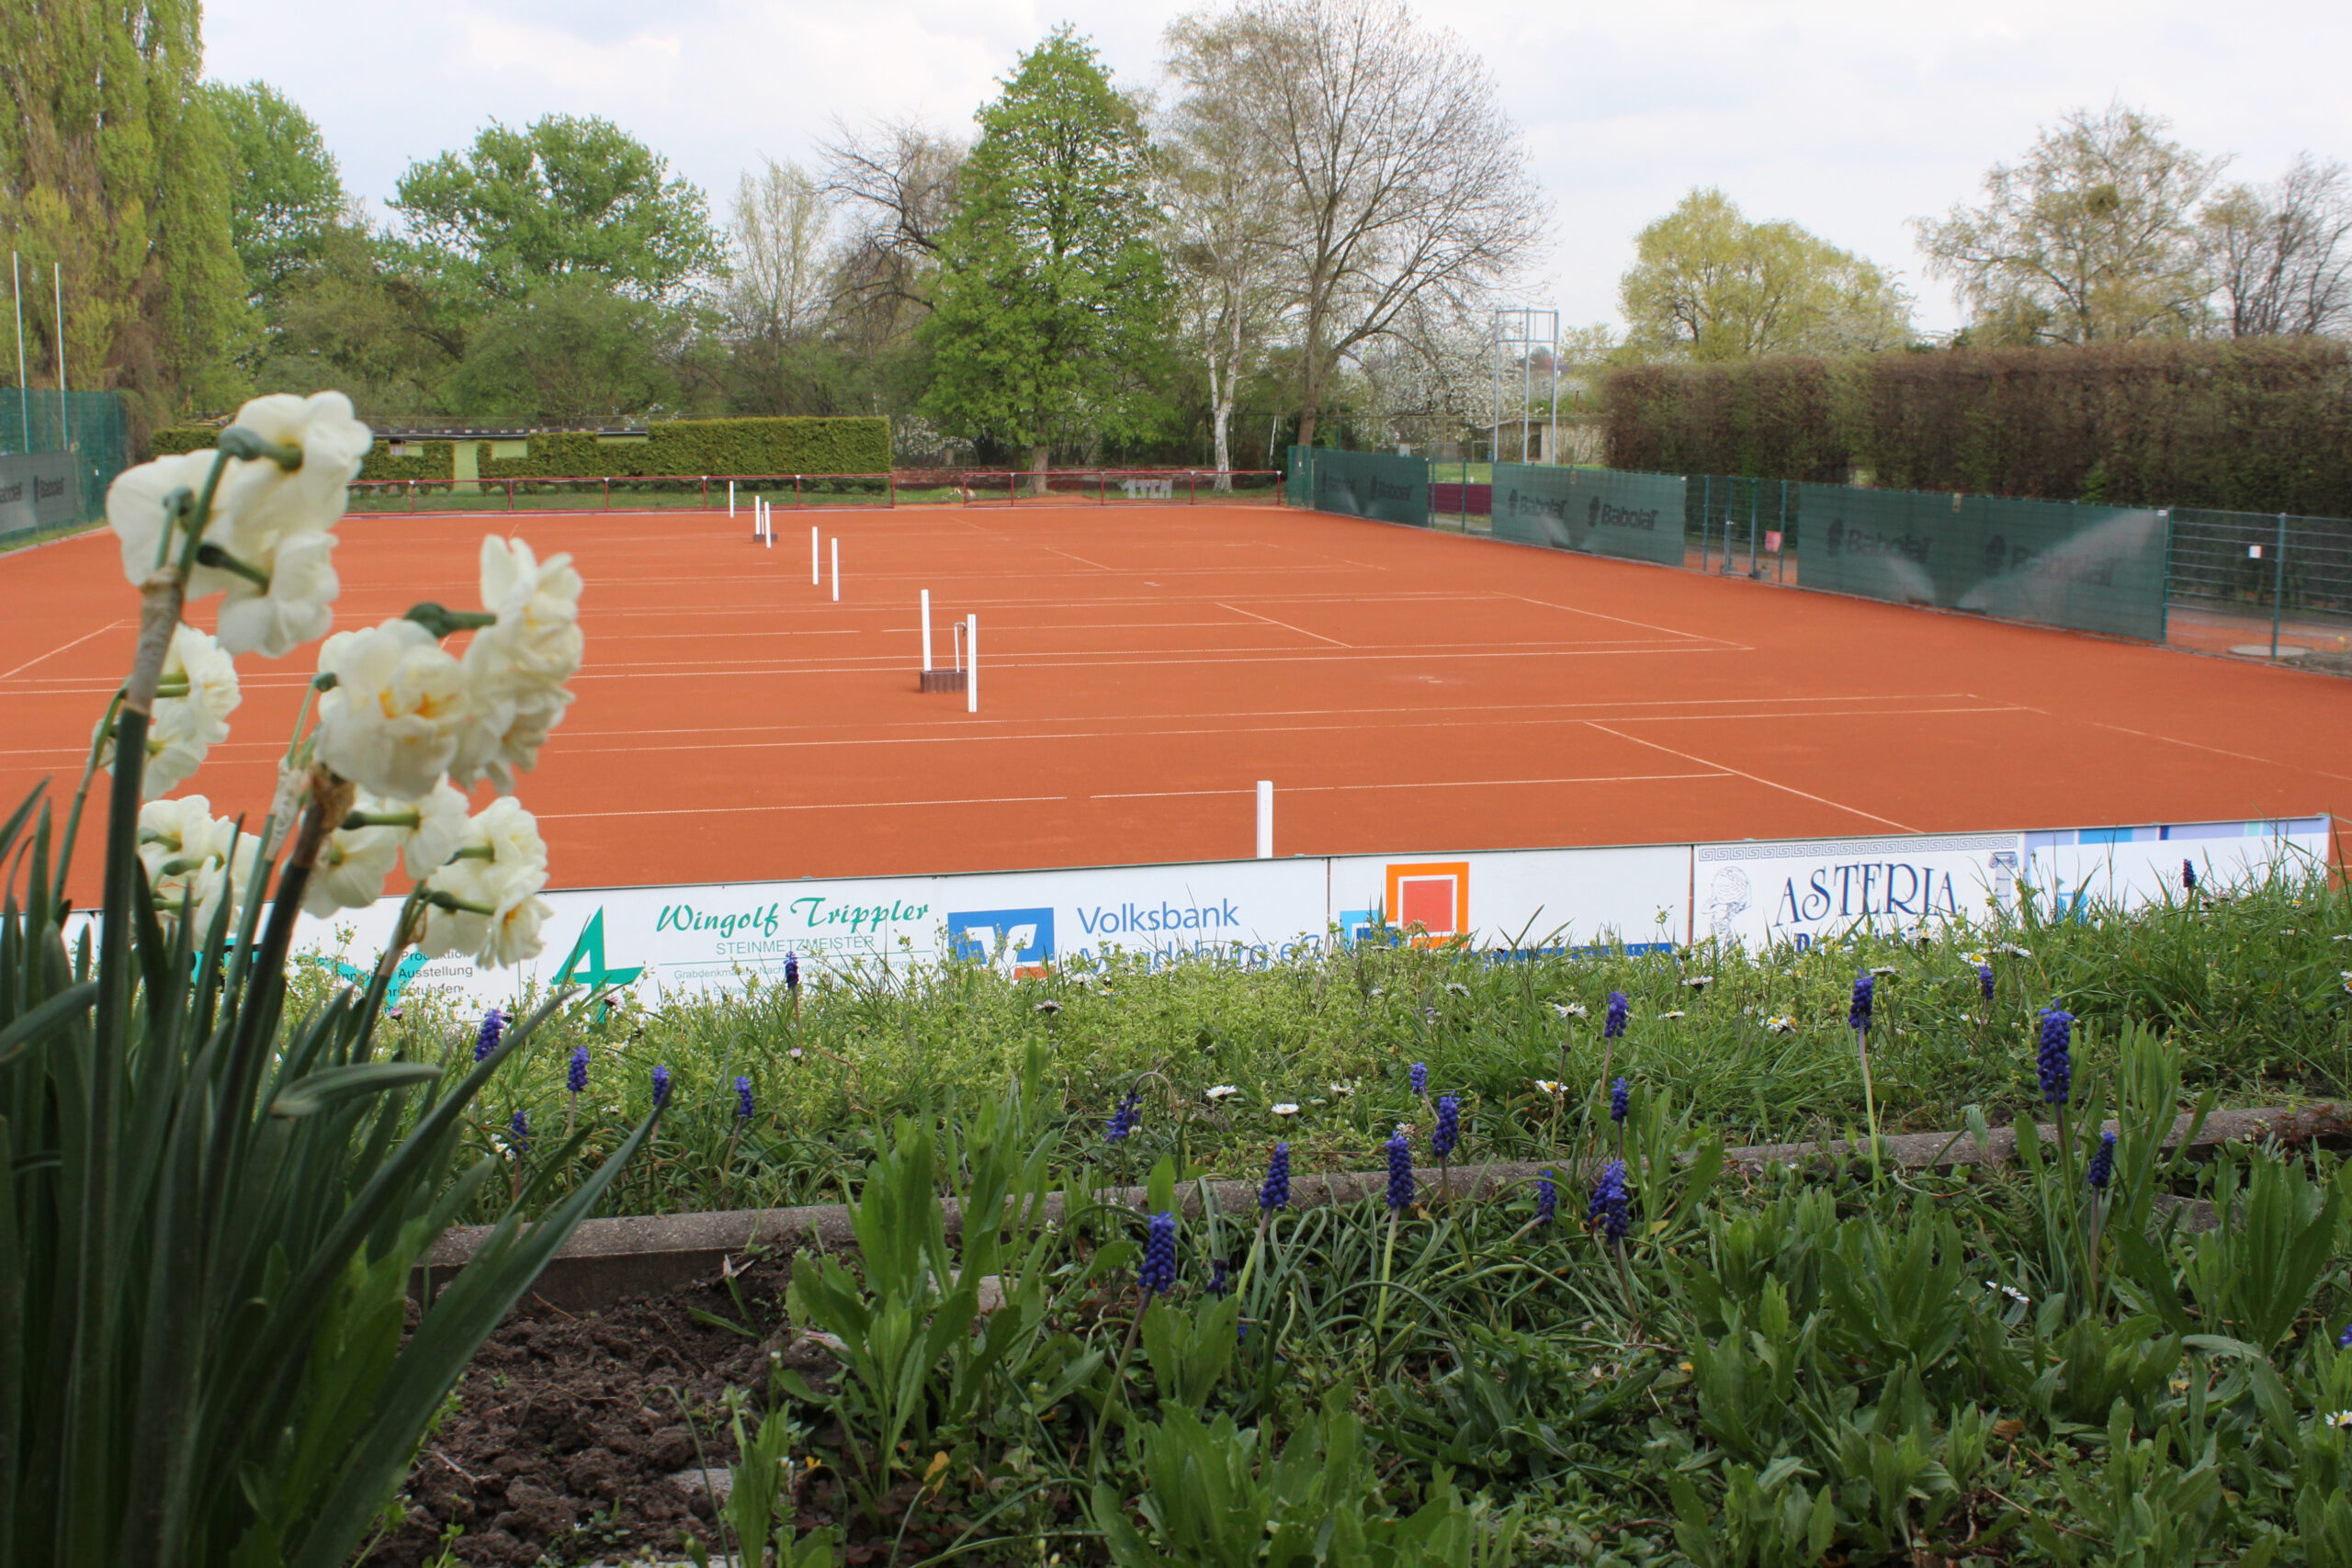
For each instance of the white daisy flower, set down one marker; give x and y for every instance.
(1285, 1109)
(1783, 1024)
(1222, 1091)
(1570, 1009)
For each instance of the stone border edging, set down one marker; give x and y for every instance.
(609, 1260)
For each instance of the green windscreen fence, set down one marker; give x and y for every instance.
(87, 431)
(1299, 477)
(2097, 569)
(1362, 484)
(1593, 510)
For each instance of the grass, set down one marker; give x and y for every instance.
(2251, 989)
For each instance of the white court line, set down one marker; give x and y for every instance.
(1253, 615)
(62, 647)
(1769, 783)
(2192, 745)
(1422, 783)
(818, 805)
(1622, 620)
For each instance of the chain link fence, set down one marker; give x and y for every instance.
(92, 428)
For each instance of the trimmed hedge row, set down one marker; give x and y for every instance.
(2254, 425)
(673, 449)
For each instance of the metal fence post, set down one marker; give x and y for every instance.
(2277, 585)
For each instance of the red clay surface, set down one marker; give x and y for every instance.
(1141, 667)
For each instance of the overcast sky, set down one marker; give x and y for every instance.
(1849, 117)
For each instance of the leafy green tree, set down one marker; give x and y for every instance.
(1051, 299)
(112, 165)
(286, 194)
(2092, 238)
(571, 350)
(1707, 283)
(559, 196)
(352, 319)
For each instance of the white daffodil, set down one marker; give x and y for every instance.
(391, 722)
(1221, 1091)
(270, 500)
(135, 512)
(275, 618)
(351, 869)
(439, 828)
(518, 665)
(198, 691)
(492, 878)
(194, 859)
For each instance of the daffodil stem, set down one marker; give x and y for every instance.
(383, 819)
(456, 905)
(1388, 1260)
(219, 559)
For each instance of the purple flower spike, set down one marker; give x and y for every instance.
(576, 1076)
(1400, 1173)
(1447, 1136)
(1621, 1099)
(742, 1099)
(661, 1088)
(1619, 1008)
(1858, 1016)
(2102, 1167)
(2056, 1059)
(1547, 1199)
(493, 1026)
(1420, 1076)
(1123, 1120)
(518, 1133)
(1157, 1275)
(1610, 1208)
(1275, 1193)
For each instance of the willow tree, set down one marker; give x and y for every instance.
(1051, 296)
(113, 168)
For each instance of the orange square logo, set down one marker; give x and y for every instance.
(1431, 901)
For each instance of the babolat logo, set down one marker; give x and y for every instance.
(12, 492)
(1022, 938)
(1601, 514)
(47, 490)
(1520, 504)
(1842, 540)
(2000, 556)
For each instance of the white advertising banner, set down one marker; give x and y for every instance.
(2072, 871)
(1762, 892)
(1521, 899)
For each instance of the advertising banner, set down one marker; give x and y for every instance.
(37, 491)
(1593, 510)
(1369, 484)
(1519, 899)
(1757, 894)
(2074, 870)
(2097, 569)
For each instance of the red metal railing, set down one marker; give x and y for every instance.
(971, 486)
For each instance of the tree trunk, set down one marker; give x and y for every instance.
(1037, 452)
(1221, 418)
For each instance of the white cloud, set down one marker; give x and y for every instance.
(1848, 116)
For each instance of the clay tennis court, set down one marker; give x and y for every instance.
(1142, 667)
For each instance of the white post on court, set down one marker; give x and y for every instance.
(926, 631)
(731, 498)
(1265, 818)
(971, 664)
(837, 571)
(767, 524)
(816, 570)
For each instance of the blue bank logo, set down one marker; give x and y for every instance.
(1020, 939)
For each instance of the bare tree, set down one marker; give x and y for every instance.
(2091, 238)
(1408, 183)
(895, 182)
(2281, 255)
(776, 294)
(1225, 200)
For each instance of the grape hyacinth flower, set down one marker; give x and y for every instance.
(1420, 1076)
(1621, 1099)
(1447, 1134)
(661, 1088)
(1217, 1272)
(493, 1026)
(2056, 1062)
(1858, 1016)
(2343, 1341)
(792, 974)
(1275, 1193)
(519, 1134)
(1157, 1275)
(1123, 1120)
(1613, 1026)
(742, 1099)
(2102, 1166)
(1547, 1199)
(1611, 1207)
(576, 1076)
(1985, 980)
(1400, 1173)
(2187, 876)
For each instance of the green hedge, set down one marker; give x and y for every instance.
(2258, 425)
(672, 448)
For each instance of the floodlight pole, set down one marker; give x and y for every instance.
(24, 388)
